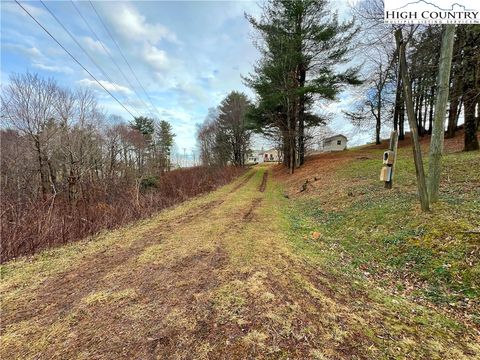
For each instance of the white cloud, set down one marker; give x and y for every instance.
(156, 57)
(94, 45)
(13, 8)
(53, 68)
(131, 24)
(107, 84)
(176, 115)
(30, 52)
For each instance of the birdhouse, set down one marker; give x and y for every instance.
(388, 157)
(386, 173)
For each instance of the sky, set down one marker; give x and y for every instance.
(186, 55)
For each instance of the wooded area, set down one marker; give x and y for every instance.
(383, 104)
(303, 45)
(224, 136)
(309, 57)
(68, 170)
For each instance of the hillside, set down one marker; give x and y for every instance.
(258, 269)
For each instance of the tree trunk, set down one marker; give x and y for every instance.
(291, 154)
(454, 108)
(396, 110)
(43, 177)
(421, 130)
(457, 87)
(471, 90)
(471, 141)
(301, 136)
(436, 142)
(425, 110)
(302, 75)
(285, 146)
(291, 149)
(417, 153)
(378, 122)
(401, 122)
(430, 115)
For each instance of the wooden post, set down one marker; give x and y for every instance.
(436, 142)
(392, 147)
(412, 121)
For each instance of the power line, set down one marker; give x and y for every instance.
(123, 56)
(86, 53)
(107, 51)
(73, 57)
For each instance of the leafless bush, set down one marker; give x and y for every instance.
(28, 226)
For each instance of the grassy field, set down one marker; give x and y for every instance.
(432, 257)
(342, 270)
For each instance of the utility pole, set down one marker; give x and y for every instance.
(412, 121)
(194, 157)
(436, 142)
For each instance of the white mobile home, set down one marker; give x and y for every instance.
(335, 143)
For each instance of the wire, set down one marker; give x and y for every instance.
(107, 51)
(123, 56)
(88, 55)
(73, 57)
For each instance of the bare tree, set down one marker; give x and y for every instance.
(28, 106)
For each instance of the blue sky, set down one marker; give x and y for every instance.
(187, 55)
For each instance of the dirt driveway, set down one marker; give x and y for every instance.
(214, 278)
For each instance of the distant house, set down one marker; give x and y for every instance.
(260, 156)
(254, 157)
(335, 143)
(270, 155)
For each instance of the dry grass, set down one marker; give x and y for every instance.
(223, 275)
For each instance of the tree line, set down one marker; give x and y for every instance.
(382, 102)
(57, 137)
(69, 170)
(224, 137)
(306, 55)
(305, 52)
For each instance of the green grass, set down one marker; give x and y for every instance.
(253, 275)
(382, 233)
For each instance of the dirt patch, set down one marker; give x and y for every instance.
(163, 318)
(318, 172)
(248, 215)
(450, 145)
(263, 185)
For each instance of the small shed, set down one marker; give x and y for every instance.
(335, 143)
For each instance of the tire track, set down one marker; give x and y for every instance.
(263, 185)
(59, 294)
(243, 182)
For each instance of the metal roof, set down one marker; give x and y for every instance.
(334, 136)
